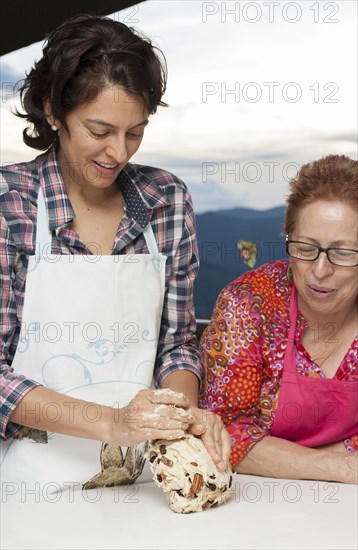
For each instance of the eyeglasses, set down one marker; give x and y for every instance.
(310, 252)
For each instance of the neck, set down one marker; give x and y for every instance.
(84, 192)
(345, 319)
(93, 197)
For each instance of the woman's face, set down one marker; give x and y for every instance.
(324, 288)
(103, 135)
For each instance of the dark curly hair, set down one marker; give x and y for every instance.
(74, 68)
(334, 177)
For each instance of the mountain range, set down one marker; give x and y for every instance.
(220, 260)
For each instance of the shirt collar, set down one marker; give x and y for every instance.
(139, 194)
(153, 196)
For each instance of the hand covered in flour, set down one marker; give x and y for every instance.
(152, 414)
(213, 434)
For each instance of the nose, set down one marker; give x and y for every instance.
(322, 266)
(116, 149)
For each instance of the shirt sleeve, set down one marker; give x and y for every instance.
(177, 347)
(12, 387)
(232, 358)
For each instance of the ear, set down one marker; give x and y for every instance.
(48, 113)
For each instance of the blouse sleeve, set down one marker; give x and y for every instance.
(232, 357)
(352, 443)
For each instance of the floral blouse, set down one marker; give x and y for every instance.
(243, 352)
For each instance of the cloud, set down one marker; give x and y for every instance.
(240, 93)
(8, 73)
(10, 81)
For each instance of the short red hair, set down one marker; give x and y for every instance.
(331, 178)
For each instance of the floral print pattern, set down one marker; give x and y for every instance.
(243, 352)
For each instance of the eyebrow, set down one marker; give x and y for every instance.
(109, 125)
(333, 244)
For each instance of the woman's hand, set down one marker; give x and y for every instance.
(205, 423)
(343, 463)
(351, 468)
(345, 467)
(214, 435)
(152, 414)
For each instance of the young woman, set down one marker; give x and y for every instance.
(102, 307)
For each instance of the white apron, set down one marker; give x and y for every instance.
(89, 330)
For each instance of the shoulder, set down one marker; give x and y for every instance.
(158, 176)
(18, 177)
(153, 179)
(18, 195)
(267, 274)
(268, 285)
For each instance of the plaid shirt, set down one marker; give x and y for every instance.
(149, 194)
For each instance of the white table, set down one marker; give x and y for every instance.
(263, 513)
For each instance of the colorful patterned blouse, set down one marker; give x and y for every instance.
(243, 352)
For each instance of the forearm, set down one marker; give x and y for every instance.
(183, 381)
(150, 415)
(338, 446)
(279, 458)
(47, 410)
(177, 341)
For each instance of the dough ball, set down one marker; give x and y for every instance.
(187, 474)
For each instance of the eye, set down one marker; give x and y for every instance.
(98, 135)
(134, 136)
(342, 252)
(306, 248)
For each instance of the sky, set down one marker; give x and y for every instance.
(255, 89)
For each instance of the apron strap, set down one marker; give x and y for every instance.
(290, 355)
(44, 236)
(43, 233)
(148, 234)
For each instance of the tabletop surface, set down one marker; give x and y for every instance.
(262, 513)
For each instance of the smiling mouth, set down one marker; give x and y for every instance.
(104, 165)
(321, 290)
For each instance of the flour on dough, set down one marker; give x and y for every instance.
(187, 474)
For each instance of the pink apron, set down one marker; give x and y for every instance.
(313, 411)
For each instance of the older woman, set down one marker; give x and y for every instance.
(280, 352)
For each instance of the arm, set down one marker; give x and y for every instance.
(183, 381)
(275, 457)
(178, 364)
(13, 387)
(26, 403)
(340, 446)
(177, 345)
(45, 409)
(231, 356)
